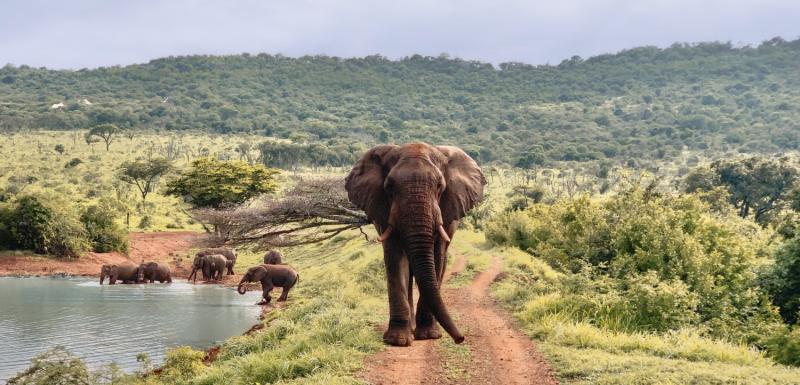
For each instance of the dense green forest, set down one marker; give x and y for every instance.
(641, 103)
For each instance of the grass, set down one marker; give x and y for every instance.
(322, 334)
(581, 353)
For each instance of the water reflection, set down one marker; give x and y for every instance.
(108, 323)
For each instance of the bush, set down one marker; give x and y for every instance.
(39, 227)
(647, 262)
(783, 280)
(103, 231)
(784, 346)
(55, 366)
(72, 163)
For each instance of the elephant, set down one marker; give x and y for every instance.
(270, 276)
(229, 254)
(415, 194)
(213, 266)
(127, 273)
(273, 257)
(152, 271)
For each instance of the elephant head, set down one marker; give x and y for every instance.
(197, 264)
(413, 194)
(108, 271)
(254, 274)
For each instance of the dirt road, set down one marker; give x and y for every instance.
(495, 351)
(166, 247)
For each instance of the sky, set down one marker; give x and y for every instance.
(74, 34)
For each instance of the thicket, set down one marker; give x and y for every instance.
(49, 225)
(647, 262)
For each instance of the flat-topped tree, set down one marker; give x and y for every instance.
(106, 132)
(144, 173)
(218, 184)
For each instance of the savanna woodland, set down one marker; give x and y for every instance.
(644, 205)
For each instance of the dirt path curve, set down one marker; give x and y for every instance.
(498, 352)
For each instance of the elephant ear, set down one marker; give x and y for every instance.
(259, 272)
(364, 184)
(464, 187)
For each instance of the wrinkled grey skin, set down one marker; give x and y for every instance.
(127, 273)
(273, 257)
(229, 254)
(270, 276)
(415, 194)
(213, 267)
(152, 271)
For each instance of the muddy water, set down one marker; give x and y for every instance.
(107, 323)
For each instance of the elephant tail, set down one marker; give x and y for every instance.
(296, 280)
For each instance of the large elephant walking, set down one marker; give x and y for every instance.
(127, 273)
(415, 194)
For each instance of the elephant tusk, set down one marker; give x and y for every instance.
(386, 234)
(443, 234)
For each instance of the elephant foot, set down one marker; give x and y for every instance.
(398, 337)
(427, 333)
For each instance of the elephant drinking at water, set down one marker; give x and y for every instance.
(127, 273)
(415, 195)
(212, 267)
(270, 276)
(229, 254)
(152, 271)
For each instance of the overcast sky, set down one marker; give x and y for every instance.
(91, 33)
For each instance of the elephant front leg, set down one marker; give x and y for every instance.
(265, 294)
(399, 332)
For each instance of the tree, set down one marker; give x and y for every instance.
(106, 132)
(756, 185)
(214, 183)
(60, 149)
(144, 174)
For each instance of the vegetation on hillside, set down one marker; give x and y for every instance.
(642, 103)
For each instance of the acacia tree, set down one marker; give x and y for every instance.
(755, 185)
(106, 132)
(144, 174)
(215, 183)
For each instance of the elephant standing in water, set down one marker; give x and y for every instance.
(152, 271)
(212, 266)
(270, 276)
(273, 257)
(127, 273)
(415, 195)
(229, 254)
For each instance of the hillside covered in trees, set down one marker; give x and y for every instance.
(642, 103)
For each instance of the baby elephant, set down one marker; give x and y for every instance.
(127, 273)
(152, 271)
(273, 257)
(270, 276)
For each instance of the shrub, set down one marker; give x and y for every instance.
(74, 162)
(55, 366)
(783, 280)
(104, 233)
(39, 227)
(784, 346)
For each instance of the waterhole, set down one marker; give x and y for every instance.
(104, 324)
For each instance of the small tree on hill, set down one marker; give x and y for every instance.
(60, 149)
(144, 174)
(106, 132)
(216, 184)
(90, 140)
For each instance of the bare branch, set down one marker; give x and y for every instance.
(312, 211)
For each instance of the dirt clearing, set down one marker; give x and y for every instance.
(163, 247)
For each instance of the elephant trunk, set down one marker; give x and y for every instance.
(193, 274)
(102, 277)
(420, 236)
(241, 289)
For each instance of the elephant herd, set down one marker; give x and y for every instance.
(212, 263)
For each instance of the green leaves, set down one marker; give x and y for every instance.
(214, 183)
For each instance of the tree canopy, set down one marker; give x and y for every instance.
(216, 184)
